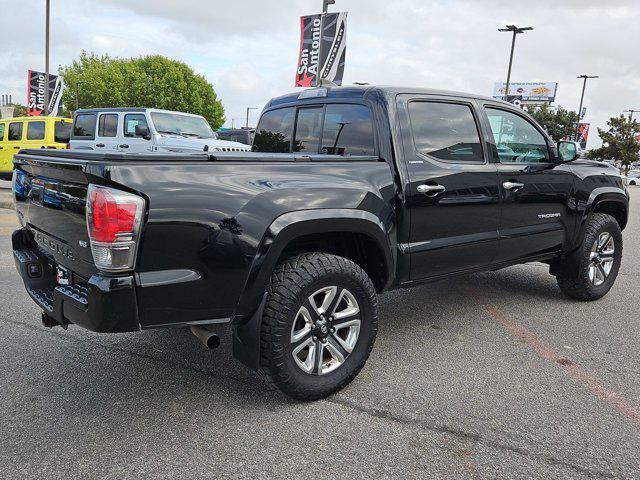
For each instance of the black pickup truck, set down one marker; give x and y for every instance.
(351, 191)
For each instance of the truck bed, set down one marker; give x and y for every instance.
(207, 216)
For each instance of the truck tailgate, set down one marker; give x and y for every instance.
(50, 201)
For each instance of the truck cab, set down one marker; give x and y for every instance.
(142, 130)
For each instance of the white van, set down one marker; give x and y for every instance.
(139, 130)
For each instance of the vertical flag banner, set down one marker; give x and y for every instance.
(309, 56)
(35, 93)
(583, 135)
(322, 49)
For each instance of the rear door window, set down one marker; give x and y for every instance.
(308, 129)
(445, 131)
(85, 125)
(62, 132)
(2, 128)
(108, 125)
(274, 131)
(35, 131)
(15, 131)
(131, 121)
(348, 130)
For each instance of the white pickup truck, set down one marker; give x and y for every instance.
(142, 130)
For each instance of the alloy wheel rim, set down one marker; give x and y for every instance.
(601, 259)
(325, 330)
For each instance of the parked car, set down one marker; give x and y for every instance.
(631, 179)
(30, 132)
(240, 135)
(138, 130)
(361, 190)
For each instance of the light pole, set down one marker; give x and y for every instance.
(516, 31)
(631, 112)
(584, 85)
(249, 108)
(46, 62)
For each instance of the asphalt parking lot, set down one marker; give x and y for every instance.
(493, 375)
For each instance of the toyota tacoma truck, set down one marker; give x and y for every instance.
(349, 192)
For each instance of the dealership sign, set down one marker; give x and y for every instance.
(36, 93)
(322, 49)
(536, 91)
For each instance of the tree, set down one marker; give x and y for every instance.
(152, 81)
(558, 123)
(619, 142)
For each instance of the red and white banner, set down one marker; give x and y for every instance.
(322, 49)
(36, 93)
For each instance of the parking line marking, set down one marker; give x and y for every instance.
(572, 369)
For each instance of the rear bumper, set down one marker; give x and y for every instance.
(101, 304)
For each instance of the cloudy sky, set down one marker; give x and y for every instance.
(248, 49)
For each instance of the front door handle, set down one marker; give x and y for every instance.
(512, 186)
(99, 145)
(124, 145)
(17, 148)
(431, 189)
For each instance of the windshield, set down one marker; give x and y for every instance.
(185, 125)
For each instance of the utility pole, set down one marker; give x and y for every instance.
(249, 108)
(584, 85)
(631, 112)
(46, 62)
(516, 31)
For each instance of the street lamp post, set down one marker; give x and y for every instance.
(249, 108)
(516, 31)
(46, 62)
(584, 85)
(631, 112)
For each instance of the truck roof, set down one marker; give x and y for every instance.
(355, 92)
(132, 109)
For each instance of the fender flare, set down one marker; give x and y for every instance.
(284, 229)
(597, 196)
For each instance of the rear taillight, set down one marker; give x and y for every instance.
(114, 219)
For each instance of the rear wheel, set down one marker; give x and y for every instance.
(591, 271)
(319, 325)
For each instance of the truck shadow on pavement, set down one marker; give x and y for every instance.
(171, 366)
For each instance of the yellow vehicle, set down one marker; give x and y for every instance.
(30, 132)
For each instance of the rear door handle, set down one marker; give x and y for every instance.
(431, 189)
(124, 145)
(512, 186)
(16, 148)
(100, 145)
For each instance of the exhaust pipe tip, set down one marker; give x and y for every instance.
(207, 338)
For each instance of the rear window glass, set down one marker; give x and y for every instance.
(84, 125)
(308, 129)
(445, 131)
(274, 131)
(348, 130)
(108, 125)
(62, 132)
(15, 131)
(35, 131)
(131, 121)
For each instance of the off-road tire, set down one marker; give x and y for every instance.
(290, 286)
(573, 274)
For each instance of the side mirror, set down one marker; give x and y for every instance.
(142, 131)
(567, 151)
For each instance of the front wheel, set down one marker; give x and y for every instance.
(319, 325)
(591, 271)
